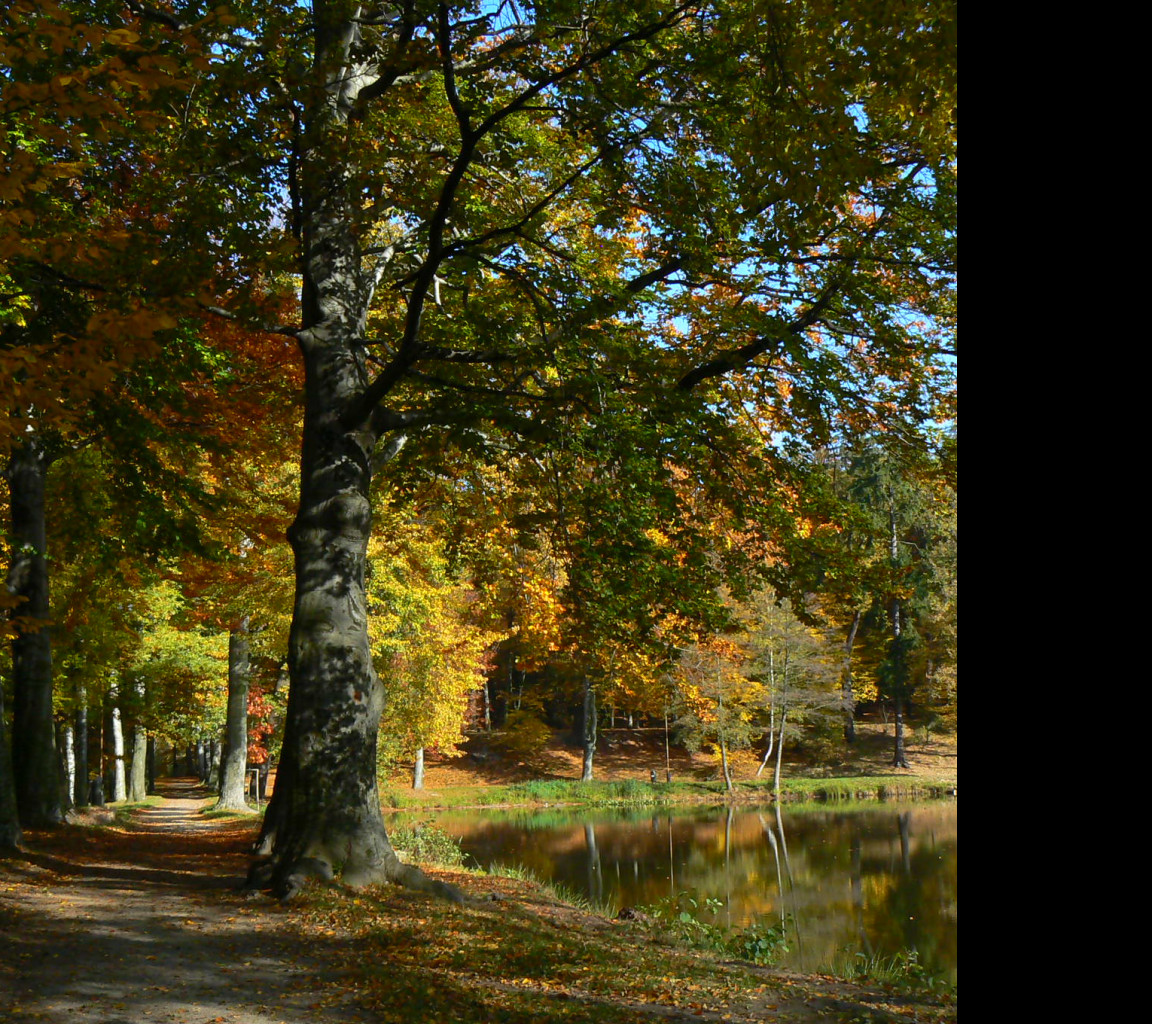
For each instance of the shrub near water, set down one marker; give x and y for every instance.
(427, 844)
(678, 917)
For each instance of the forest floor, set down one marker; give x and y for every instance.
(634, 753)
(135, 915)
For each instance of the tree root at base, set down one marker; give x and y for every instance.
(286, 881)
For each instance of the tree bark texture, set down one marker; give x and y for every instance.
(34, 763)
(235, 760)
(324, 818)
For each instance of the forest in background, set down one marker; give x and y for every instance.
(609, 364)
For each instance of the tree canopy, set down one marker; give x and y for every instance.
(638, 263)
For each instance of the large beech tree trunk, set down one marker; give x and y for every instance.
(324, 818)
(236, 744)
(34, 763)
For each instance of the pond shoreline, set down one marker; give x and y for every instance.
(571, 793)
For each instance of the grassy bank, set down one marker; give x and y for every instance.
(626, 792)
(484, 777)
(517, 953)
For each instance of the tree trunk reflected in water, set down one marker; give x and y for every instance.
(876, 881)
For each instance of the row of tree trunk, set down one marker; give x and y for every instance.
(51, 769)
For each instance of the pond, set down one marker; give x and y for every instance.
(875, 881)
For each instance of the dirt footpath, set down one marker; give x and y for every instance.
(140, 924)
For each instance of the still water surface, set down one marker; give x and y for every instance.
(873, 881)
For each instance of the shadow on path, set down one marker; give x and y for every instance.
(141, 919)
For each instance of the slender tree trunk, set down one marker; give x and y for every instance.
(236, 745)
(138, 775)
(780, 734)
(34, 761)
(119, 778)
(96, 791)
(899, 755)
(846, 691)
(779, 755)
(215, 766)
(138, 770)
(667, 750)
(418, 769)
(723, 740)
(589, 728)
(66, 744)
(150, 765)
(899, 758)
(80, 791)
(771, 711)
(724, 764)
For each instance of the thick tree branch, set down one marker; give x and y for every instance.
(738, 358)
(150, 13)
(227, 314)
(407, 350)
(607, 305)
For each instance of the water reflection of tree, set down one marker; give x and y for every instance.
(595, 872)
(844, 877)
